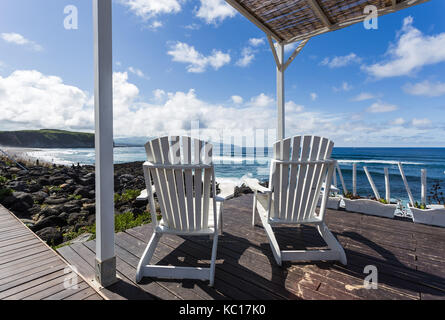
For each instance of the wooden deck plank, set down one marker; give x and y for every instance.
(30, 284)
(29, 269)
(409, 258)
(122, 268)
(66, 293)
(122, 290)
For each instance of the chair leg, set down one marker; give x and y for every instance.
(271, 236)
(213, 261)
(147, 255)
(332, 242)
(221, 225)
(254, 208)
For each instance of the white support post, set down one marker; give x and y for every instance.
(354, 179)
(103, 101)
(280, 92)
(334, 178)
(387, 186)
(371, 182)
(424, 187)
(408, 189)
(340, 175)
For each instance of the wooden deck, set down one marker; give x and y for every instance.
(410, 259)
(31, 270)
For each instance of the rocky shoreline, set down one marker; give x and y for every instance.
(58, 202)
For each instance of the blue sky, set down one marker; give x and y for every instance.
(178, 61)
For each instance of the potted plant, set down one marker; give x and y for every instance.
(433, 214)
(370, 206)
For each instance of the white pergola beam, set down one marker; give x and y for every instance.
(393, 8)
(103, 106)
(254, 20)
(315, 6)
(280, 92)
(274, 52)
(295, 53)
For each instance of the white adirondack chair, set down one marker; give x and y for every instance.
(183, 186)
(300, 169)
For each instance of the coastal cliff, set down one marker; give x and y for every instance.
(46, 138)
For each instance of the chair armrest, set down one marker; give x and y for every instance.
(227, 192)
(144, 194)
(333, 188)
(254, 184)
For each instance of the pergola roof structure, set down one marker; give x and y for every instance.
(288, 21)
(285, 21)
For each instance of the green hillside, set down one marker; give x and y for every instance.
(46, 138)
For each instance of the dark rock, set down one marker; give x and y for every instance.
(34, 187)
(40, 196)
(51, 235)
(90, 207)
(75, 217)
(242, 190)
(82, 191)
(43, 182)
(17, 185)
(24, 197)
(64, 216)
(126, 178)
(48, 211)
(34, 210)
(57, 180)
(8, 201)
(72, 207)
(52, 221)
(80, 225)
(91, 220)
(55, 201)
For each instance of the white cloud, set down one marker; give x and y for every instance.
(314, 96)
(363, 97)
(381, 107)
(215, 11)
(344, 87)
(247, 56)
(159, 95)
(137, 72)
(421, 123)
(156, 24)
(426, 88)
(20, 40)
(412, 51)
(32, 99)
(147, 9)
(398, 122)
(256, 42)
(262, 101)
(237, 99)
(292, 107)
(290, 47)
(197, 62)
(192, 26)
(341, 61)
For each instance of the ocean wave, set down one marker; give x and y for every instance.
(381, 162)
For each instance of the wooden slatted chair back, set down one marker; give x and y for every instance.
(299, 169)
(182, 172)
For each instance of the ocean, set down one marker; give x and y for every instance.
(233, 165)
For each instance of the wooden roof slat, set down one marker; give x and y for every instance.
(289, 21)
